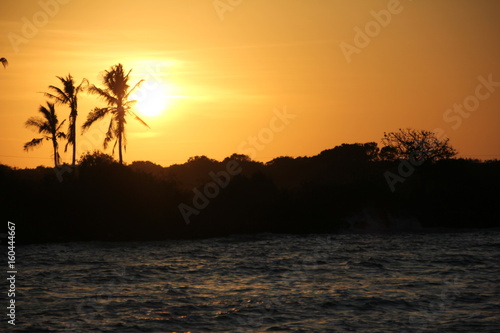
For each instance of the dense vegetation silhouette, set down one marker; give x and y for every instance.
(343, 188)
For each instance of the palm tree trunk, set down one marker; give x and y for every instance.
(120, 147)
(121, 128)
(54, 145)
(74, 153)
(74, 141)
(74, 114)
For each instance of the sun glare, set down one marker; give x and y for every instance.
(152, 98)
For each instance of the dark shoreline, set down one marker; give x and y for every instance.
(259, 236)
(327, 193)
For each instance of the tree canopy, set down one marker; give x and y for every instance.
(419, 145)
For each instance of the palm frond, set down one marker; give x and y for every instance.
(96, 114)
(139, 119)
(137, 85)
(81, 87)
(114, 146)
(60, 96)
(124, 140)
(46, 111)
(34, 122)
(104, 94)
(110, 134)
(33, 143)
(4, 62)
(69, 84)
(58, 128)
(71, 133)
(117, 81)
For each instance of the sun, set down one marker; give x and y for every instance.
(151, 98)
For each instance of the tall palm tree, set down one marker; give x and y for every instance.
(49, 126)
(4, 62)
(68, 95)
(116, 93)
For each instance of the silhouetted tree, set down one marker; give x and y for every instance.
(388, 153)
(148, 167)
(240, 158)
(282, 161)
(4, 62)
(116, 93)
(49, 126)
(68, 95)
(200, 160)
(352, 152)
(96, 158)
(415, 144)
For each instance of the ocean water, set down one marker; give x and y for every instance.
(434, 282)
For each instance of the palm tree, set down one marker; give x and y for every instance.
(116, 93)
(4, 62)
(68, 95)
(49, 126)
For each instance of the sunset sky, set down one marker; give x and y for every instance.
(218, 73)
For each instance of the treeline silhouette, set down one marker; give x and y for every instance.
(340, 189)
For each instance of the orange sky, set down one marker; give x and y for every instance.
(227, 68)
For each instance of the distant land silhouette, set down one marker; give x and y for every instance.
(344, 188)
